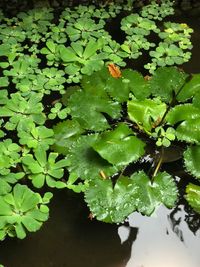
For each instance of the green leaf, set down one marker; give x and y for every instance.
(113, 204)
(67, 54)
(85, 161)
(131, 81)
(188, 117)
(193, 196)
(191, 160)
(165, 81)
(20, 211)
(120, 146)
(90, 49)
(65, 133)
(190, 88)
(43, 169)
(146, 113)
(82, 104)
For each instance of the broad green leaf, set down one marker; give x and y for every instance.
(165, 81)
(182, 113)
(192, 159)
(193, 196)
(132, 81)
(190, 88)
(65, 133)
(167, 193)
(189, 131)
(110, 204)
(113, 204)
(146, 113)
(119, 146)
(188, 117)
(85, 161)
(82, 104)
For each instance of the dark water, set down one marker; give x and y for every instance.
(170, 238)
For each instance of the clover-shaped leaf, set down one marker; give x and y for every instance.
(52, 52)
(164, 137)
(22, 210)
(43, 169)
(57, 111)
(120, 146)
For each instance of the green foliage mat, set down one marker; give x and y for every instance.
(93, 137)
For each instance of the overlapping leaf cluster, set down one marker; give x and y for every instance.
(100, 127)
(162, 109)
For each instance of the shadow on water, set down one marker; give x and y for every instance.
(170, 238)
(69, 239)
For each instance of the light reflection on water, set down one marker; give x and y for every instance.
(160, 244)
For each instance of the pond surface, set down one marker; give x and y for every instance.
(170, 238)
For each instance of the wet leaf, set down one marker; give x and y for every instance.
(165, 81)
(85, 161)
(192, 159)
(146, 113)
(193, 196)
(113, 204)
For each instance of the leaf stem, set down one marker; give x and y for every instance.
(173, 99)
(159, 164)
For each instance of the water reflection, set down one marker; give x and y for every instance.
(164, 240)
